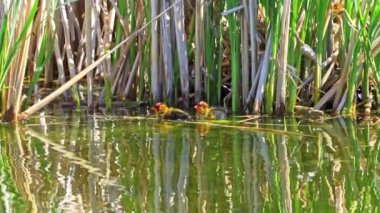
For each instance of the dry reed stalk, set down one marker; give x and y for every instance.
(108, 26)
(90, 20)
(132, 74)
(199, 51)
(283, 59)
(244, 54)
(58, 56)
(108, 19)
(154, 54)
(263, 75)
(179, 20)
(49, 74)
(116, 70)
(124, 22)
(166, 44)
(68, 49)
(50, 66)
(124, 75)
(71, 23)
(75, 29)
(253, 10)
(40, 33)
(329, 95)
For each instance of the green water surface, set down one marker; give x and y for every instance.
(80, 163)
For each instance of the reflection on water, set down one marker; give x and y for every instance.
(79, 163)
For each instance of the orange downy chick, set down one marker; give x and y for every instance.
(204, 111)
(170, 113)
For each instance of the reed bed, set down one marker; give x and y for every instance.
(253, 57)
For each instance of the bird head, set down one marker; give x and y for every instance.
(159, 108)
(202, 107)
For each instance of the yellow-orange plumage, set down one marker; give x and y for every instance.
(204, 111)
(164, 112)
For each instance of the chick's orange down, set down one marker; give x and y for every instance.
(204, 112)
(170, 113)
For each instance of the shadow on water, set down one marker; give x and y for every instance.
(80, 163)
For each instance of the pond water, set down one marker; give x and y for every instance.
(79, 163)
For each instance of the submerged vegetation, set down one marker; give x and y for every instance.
(251, 56)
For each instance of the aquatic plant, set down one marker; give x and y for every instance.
(16, 27)
(250, 56)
